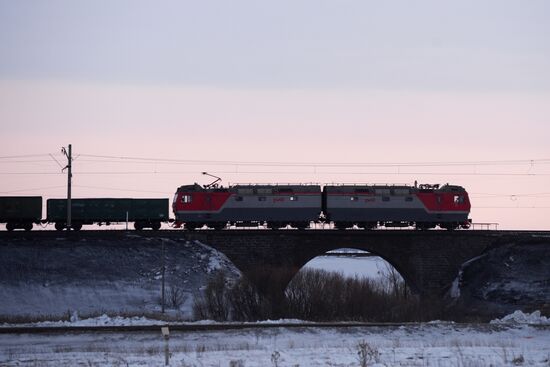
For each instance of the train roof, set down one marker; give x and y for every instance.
(339, 188)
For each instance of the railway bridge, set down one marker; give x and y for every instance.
(429, 261)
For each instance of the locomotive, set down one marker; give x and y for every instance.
(368, 206)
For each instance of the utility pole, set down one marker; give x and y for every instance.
(69, 156)
(163, 280)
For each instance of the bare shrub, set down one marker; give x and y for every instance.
(176, 297)
(275, 356)
(518, 361)
(214, 302)
(315, 295)
(246, 303)
(366, 353)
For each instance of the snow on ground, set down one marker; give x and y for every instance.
(519, 317)
(412, 345)
(370, 267)
(105, 320)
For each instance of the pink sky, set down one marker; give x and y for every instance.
(248, 125)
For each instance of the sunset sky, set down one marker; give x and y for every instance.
(285, 91)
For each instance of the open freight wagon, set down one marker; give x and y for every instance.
(20, 212)
(145, 213)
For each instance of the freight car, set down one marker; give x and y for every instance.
(145, 213)
(368, 206)
(20, 211)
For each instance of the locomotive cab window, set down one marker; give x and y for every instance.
(458, 199)
(186, 199)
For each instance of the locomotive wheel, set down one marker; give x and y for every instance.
(138, 226)
(155, 226)
(301, 225)
(449, 226)
(369, 225)
(218, 226)
(59, 226)
(276, 225)
(10, 226)
(76, 226)
(343, 225)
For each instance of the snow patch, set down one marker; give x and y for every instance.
(454, 292)
(518, 317)
(455, 287)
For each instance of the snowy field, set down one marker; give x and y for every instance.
(433, 344)
(369, 267)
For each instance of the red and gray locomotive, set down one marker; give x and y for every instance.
(367, 206)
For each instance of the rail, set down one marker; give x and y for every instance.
(235, 326)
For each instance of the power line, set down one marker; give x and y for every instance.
(31, 173)
(25, 161)
(31, 189)
(510, 207)
(23, 156)
(155, 172)
(119, 189)
(322, 164)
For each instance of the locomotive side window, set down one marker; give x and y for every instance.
(238, 198)
(408, 198)
(186, 199)
(458, 199)
(261, 198)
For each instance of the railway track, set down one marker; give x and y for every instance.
(240, 326)
(188, 327)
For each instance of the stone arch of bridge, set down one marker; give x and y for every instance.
(427, 261)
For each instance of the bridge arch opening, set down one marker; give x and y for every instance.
(349, 284)
(353, 263)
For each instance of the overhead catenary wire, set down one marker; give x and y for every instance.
(156, 172)
(320, 164)
(119, 189)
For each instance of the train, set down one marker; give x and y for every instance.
(20, 212)
(275, 206)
